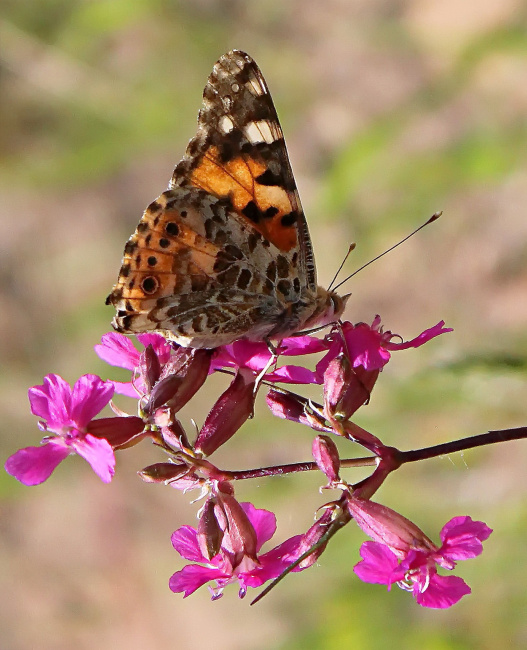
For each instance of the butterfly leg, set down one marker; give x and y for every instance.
(272, 361)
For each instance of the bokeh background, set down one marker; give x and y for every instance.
(392, 110)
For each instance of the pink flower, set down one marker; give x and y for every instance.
(369, 346)
(414, 569)
(227, 567)
(68, 413)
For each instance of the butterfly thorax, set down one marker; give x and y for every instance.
(311, 312)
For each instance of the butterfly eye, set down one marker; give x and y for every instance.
(149, 285)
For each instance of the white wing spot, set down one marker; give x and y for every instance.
(255, 88)
(225, 124)
(259, 132)
(235, 88)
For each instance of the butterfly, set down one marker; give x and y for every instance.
(225, 253)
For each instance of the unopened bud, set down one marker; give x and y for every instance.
(231, 410)
(326, 456)
(346, 388)
(210, 534)
(292, 407)
(163, 472)
(120, 432)
(388, 527)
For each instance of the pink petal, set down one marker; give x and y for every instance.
(275, 562)
(51, 401)
(425, 336)
(378, 564)
(293, 375)
(442, 592)
(192, 577)
(263, 522)
(90, 395)
(99, 454)
(118, 350)
(33, 465)
(185, 542)
(125, 388)
(297, 345)
(162, 348)
(462, 538)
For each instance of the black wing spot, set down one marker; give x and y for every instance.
(164, 243)
(268, 178)
(289, 219)
(252, 212)
(152, 260)
(172, 229)
(149, 285)
(271, 211)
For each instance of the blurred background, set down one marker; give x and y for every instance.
(392, 110)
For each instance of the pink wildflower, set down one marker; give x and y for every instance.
(414, 569)
(67, 413)
(226, 567)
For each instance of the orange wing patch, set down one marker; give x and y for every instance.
(243, 180)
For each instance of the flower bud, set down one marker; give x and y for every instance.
(120, 432)
(163, 472)
(180, 379)
(326, 456)
(388, 527)
(210, 534)
(149, 367)
(228, 414)
(288, 406)
(346, 388)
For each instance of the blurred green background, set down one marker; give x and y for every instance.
(392, 110)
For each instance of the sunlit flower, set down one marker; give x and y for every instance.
(67, 414)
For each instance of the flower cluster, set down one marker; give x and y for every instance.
(226, 545)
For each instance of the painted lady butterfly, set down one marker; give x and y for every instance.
(225, 253)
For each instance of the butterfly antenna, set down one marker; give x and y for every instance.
(434, 217)
(352, 247)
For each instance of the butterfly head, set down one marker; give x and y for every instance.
(329, 308)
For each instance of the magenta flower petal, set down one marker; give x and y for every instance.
(275, 562)
(99, 454)
(299, 345)
(118, 350)
(293, 375)
(51, 401)
(33, 465)
(462, 538)
(192, 577)
(425, 336)
(378, 564)
(125, 388)
(89, 396)
(162, 348)
(442, 591)
(263, 522)
(185, 542)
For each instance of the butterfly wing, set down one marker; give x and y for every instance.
(225, 252)
(239, 154)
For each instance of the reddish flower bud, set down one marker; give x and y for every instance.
(120, 432)
(228, 414)
(288, 406)
(149, 367)
(346, 388)
(210, 533)
(163, 472)
(326, 456)
(180, 379)
(239, 535)
(388, 527)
